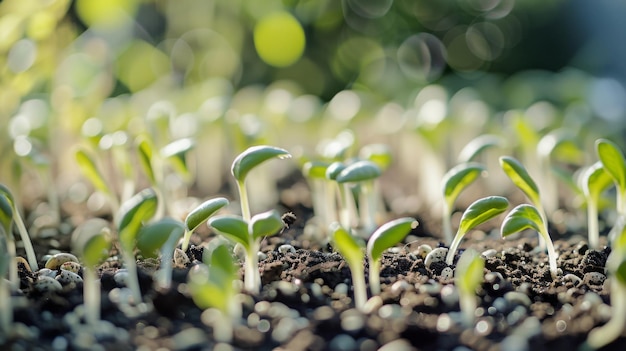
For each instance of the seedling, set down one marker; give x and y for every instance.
(161, 237)
(594, 181)
(614, 164)
(363, 173)
(468, 276)
(6, 309)
(87, 166)
(322, 191)
(522, 179)
(211, 286)
(245, 162)
(388, 235)
(347, 209)
(351, 248)
(525, 217)
(248, 234)
(380, 154)
(132, 214)
(474, 148)
(479, 212)
(454, 182)
(199, 215)
(91, 240)
(21, 228)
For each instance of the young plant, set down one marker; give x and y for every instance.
(388, 235)
(347, 208)
(362, 173)
(351, 248)
(245, 162)
(161, 237)
(525, 217)
(594, 181)
(468, 276)
(6, 309)
(478, 145)
(454, 181)
(131, 216)
(199, 215)
(212, 286)
(522, 179)
(479, 212)
(87, 166)
(91, 240)
(614, 164)
(249, 234)
(322, 191)
(21, 227)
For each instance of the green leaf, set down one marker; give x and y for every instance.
(348, 246)
(154, 236)
(5, 258)
(613, 161)
(6, 213)
(520, 177)
(212, 285)
(145, 152)
(205, 210)
(254, 156)
(139, 208)
(6, 192)
(388, 235)
(458, 178)
(232, 227)
(88, 167)
(475, 147)
(359, 171)
(380, 154)
(334, 169)
(176, 153)
(91, 240)
(482, 210)
(520, 218)
(595, 180)
(620, 272)
(265, 224)
(315, 169)
(469, 271)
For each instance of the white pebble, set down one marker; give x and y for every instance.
(573, 278)
(46, 284)
(423, 250)
(286, 248)
(446, 273)
(67, 277)
(436, 255)
(121, 277)
(489, 253)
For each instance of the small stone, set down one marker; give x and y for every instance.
(342, 342)
(519, 298)
(594, 278)
(286, 248)
(449, 295)
(57, 260)
(121, 277)
(71, 266)
(181, 260)
(47, 272)
(47, 284)
(397, 345)
(68, 277)
(447, 273)
(261, 256)
(489, 253)
(572, 278)
(400, 286)
(436, 255)
(190, 338)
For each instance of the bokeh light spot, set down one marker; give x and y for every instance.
(279, 39)
(109, 13)
(370, 8)
(422, 57)
(22, 55)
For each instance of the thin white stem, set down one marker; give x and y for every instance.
(551, 252)
(28, 246)
(358, 285)
(133, 280)
(91, 296)
(14, 280)
(374, 276)
(243, 198)
(447, 223)
(331, 203)
(604, 335)
(6, 310)
(165, 271)
(592, 223)
(467, 302)
(252, 278)
(453, 247)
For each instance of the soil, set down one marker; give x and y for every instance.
(306, 303)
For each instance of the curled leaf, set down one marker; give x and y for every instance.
(253, 157)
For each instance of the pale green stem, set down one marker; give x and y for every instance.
(252, 278)
(374, 276)
(344, 212)
(28, 246)
(223, 328)
(592, 223)
(358, 285)
(453, 247)
(542, 241)
(186, 238)
(164, 277)
(551, 252)
(6, 310)
(447, 222)
(91, 296)
(243, 198)
(331, 203)
(614, 328)
(467, 302)
(13, 277)
(367, 210)
(133, 280)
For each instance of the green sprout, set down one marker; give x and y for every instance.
(249, 234)
(87, 165)
(199, 215)
(6, 309)
(347, 208)
(19, 223)
(479, 212)
(245, 162)
(364, 173)
(351, 248)
(388, 235)
(468, 276)
(454, 182)
(131, 216)
(322, 191)
(522, 179)
(161, 237)
(212, 286)
(594, 181)
(614, 164)
(478, 145)
(91, 240)
(525, 217)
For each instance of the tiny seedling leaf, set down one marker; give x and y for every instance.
(254, 156)
(359, 171)
(91, 240)
(349, 247)
(145, 151)
(469, 271)
(265, 224)
(6, 213)
(315, 169)
(613, 161)
(380, 154)
(334, 169)
(595, 180)
(520, 218)
(481, 211)
(520, 177)
(5, 258)
(89, 169)
(201, 213)
(212, 285)
(458, 178)
(388, 235)
(176, 153)
(152, 237)
(233, 227)
(133, 212)
(475, 147)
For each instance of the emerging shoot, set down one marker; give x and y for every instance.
(468, 276)
(594, 181)
(614, 164)
(21, 227)
(363, 173)
(351, 248)
(161, 237)
(200, 215)
(6, 309)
